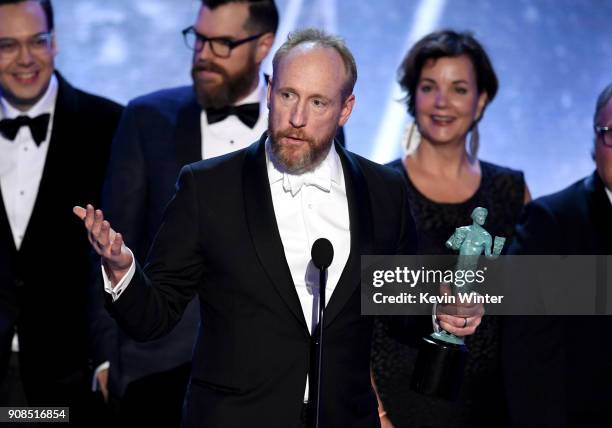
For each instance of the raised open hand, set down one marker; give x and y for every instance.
(109, 245)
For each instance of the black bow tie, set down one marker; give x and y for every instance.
(37, 125)
(247, 113)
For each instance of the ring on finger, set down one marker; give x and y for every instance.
(465, 322)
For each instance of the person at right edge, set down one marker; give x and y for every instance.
(449, 81)
(558, 369)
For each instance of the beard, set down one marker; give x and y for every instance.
(298, 159)
(231, 88)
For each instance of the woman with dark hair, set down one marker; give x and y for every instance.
(449, 81)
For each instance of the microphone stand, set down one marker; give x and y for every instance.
(322, 254)
(322, 284)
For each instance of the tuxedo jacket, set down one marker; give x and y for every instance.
(158, 134)
(253, 351)
(559, 369)
(44, 285)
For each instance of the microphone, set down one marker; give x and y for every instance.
(322, 254)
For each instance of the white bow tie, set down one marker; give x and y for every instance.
(293, 183)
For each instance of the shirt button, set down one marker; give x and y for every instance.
(21, 192)
(310, 206)
(25, 149)
(231, 141)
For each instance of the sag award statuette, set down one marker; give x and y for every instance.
(441, 360)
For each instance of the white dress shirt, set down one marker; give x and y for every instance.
(305, 214)
(609, 193)
(22, 163)
(230, 134)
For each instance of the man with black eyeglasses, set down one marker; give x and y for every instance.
(54, 146)
(223, 111)
(559, 369)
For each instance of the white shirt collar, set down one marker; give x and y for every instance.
(45, 105)
(609, 193)
(327, 172)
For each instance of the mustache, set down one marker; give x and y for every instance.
(208, 66)
(293, 133)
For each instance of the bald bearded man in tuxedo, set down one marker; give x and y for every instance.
(238, 233)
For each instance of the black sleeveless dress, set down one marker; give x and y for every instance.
(481, 401)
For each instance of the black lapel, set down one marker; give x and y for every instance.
(601, 214)
(188, 133)
(263, 229)
(66, 107)
(361, 226)
(6, 233)
(8, 267)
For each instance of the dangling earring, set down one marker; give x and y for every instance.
(412, 138)
(474, 143)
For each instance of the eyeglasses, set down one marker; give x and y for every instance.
(220, 46)
(605, 132)
(39, 43)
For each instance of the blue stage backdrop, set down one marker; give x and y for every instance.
(552, 57)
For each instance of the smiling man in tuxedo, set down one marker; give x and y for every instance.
(54, 146)
(246, 253)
